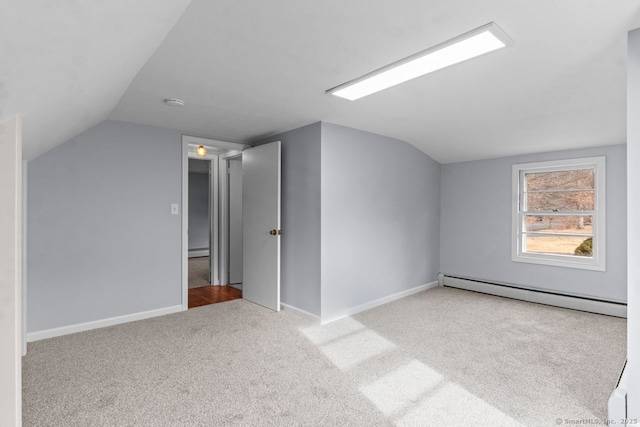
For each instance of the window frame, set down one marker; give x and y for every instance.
(596, 262)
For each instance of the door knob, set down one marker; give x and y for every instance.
(273, 232)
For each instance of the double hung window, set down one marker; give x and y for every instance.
(559, 213)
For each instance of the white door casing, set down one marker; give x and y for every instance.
(214, 232)
(261, 167)
(234, 195)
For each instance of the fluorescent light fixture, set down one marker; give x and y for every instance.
(469, 45)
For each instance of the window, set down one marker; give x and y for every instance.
(559, 213)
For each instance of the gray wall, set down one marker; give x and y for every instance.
(380, 218)
(633, 159)
(101, 239)
(300, 245)
(476, 227)
(198, 208)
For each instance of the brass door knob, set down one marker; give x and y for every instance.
(273, 232)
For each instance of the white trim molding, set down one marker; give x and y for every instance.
(297, 310)
(224, 213)
(185, 224)
(377, 303)
(214, 222)
(24, 256)
(216, 144)
(519, 210)
(617, 404)
(102, 323)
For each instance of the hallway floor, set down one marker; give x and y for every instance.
(198, 272)
(206, 295)
(201, 292)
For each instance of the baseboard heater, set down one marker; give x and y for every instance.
(197, 253)
(574, 302)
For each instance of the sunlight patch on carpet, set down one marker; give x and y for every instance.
(354, 349)
(452, 404)
(412, 394)
(401, 387)
(319, 334)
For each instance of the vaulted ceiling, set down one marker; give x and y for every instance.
(64, 65)
(250, 69)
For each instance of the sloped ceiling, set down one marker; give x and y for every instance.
(64, 65)
(252, 68)
(249, 69)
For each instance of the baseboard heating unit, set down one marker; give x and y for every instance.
(575, 302)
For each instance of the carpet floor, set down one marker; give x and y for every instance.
(442, 357)
(199, 272)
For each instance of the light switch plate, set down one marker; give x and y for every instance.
(174, 209)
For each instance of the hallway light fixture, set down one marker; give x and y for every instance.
(476, 42)
(201, 151)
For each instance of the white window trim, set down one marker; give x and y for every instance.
(598, 261)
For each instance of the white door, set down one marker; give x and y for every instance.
(261, 225)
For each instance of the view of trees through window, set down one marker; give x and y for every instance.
(559, 207)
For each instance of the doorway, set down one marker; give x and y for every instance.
(207, 217)
(199, 223)
(259, 262)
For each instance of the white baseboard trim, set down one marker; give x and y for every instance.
(538, 296)
(96, 324)
(199, 253)
(291, 308)
(377, 303)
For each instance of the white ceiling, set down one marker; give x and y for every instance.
(249, 69)
(64, 65)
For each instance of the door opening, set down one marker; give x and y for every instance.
(200, 194)
(244, 183)
(204, 179)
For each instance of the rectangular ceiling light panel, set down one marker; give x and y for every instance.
(469, 45)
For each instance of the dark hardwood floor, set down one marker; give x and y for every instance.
(206, 295)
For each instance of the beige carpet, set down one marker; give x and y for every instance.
(442, 357)
(199, 272)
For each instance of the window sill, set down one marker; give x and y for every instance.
(561, 261)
